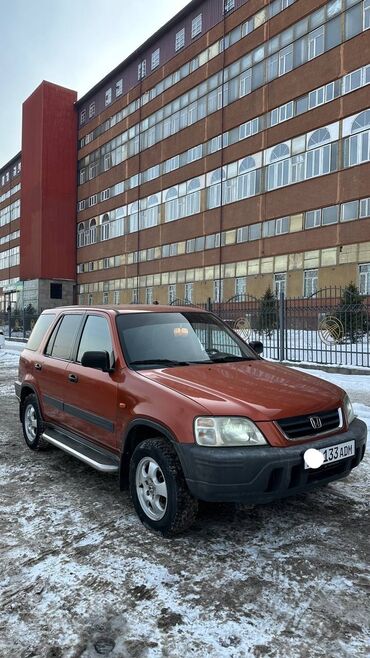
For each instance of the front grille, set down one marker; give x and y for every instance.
(299, 427)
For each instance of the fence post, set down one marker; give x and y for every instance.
(282, 326)
(9, 321)
(209, 304)
(24, 322)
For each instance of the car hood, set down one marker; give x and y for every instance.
(258, 389)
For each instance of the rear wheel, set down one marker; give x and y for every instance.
(158, 488)
(32, 424)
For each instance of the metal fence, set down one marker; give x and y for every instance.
(332, 327)
(17, 324)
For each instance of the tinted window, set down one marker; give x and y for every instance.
(39, 331)
(61, 347)
(95, 336)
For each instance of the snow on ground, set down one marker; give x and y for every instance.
(80, 577)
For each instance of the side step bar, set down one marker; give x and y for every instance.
(100, 460)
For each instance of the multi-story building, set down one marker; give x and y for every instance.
(229, 153)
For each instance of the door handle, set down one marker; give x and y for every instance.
(38, 366)
(73, 378)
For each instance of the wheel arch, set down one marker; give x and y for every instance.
(26, 390)
(138, 431)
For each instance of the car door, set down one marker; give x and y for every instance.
(90, 400)
(51, 366)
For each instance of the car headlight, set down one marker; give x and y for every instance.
(227, 431)
(348, 410)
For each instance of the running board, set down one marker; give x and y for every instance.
(101, 461)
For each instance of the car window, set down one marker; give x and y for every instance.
(151, 339)
(63, 338)
(39, 330)
(95, 336)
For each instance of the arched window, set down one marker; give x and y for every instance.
(318, 138)
(133, 211)
(150, 216)
(80, 235)
(105, 227)
(357, 146)
(92, 231)
(172, 194)
(153, 200)
(362, 122)
(279, 152)
(247, 164)
(194, 185)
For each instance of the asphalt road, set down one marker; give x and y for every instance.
(80, 576)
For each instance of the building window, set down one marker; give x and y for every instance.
(309, 282)
(366, 14)
(92, 110)
(228, 5)
(90, 299)
(108, 96)
(92, 231)
(171, 293)
(180, 39)
(119, 87)
(155, 58)
(141, 70)
(365, 207)
(240, 286)
(196, 26)
(105, 228)
(93, 200)
(188, 291)
(82, 116)
(357, 147)
(116, 297)
(313, 218)
(105, 297)
(316, 42)
(80, 235)
(218, 290)
(135, 296)
(349, 211)
(330, 215)
(149, 295)
(364, 275)
(280, 284)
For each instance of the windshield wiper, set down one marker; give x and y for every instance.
(162, 362)
(230, 358)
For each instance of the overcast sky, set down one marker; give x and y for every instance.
(69, 42)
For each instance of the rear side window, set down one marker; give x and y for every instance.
(39, 331)
(63, 338)
(95, 336)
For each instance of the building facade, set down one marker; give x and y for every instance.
(231, 152)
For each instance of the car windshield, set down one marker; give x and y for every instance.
(162, 340)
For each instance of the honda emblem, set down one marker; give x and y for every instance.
(316, 422)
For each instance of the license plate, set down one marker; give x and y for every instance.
(336, 453)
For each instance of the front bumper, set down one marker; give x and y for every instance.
(261, 474)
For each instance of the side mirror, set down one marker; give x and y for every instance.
(257, 346)
(97, 360)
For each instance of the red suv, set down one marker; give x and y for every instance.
(182, 408)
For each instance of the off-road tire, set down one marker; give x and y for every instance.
(181, 507)
(31, 405)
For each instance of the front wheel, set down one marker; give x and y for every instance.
(32, 424)
(158, 488)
